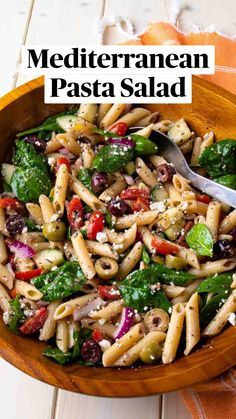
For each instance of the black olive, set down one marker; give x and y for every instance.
(223, 249)
(91, 351)
(15, 224)
(118, 207)
(165, 172)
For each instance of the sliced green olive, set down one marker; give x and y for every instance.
(54, 231)
(156, 319)
(150, 353)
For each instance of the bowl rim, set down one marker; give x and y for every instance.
(202, 365)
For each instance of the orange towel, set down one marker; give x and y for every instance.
(217, 398)
(164, 33)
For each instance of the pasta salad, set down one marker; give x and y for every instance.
(106, 252)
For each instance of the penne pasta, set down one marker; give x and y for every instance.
(140, 218)
(6, 277)
(4, 300)
(88, 197)
(192, 323)
(173, 334)
(61, 184)
(130, 261)
(49, 327)
(82, 255)
(122, 345)
(27, 290)
(222, 316)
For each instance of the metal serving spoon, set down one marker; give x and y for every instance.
(169, 150)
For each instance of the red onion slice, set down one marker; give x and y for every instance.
(66, 153)
(122, 142)
(85, 310)
(21, 249)
(126, 322)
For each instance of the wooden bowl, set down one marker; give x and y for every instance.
(212, 109)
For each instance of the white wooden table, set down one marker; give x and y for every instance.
(75, 22)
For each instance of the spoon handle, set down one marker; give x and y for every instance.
(217, 191)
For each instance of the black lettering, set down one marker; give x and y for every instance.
(178, 89)
(126, 84)
(57, 84)
(43, 57)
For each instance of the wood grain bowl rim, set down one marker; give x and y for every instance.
(215, 357)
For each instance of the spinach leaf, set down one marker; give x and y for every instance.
(145, 256)
(227, 180)
(29, 184)
(217, 284)
(55, 353)
(112, 157)
(50, 124)
(61, 283)
(108, 220)
(209, 311)
(139, 294)
(25, 156)
(16, 314)
(219, 158)
(31, 225)
(73, 355)
(85, 175)
(109, 134)
(166, 275)
(200, 239)
(143, 146)
(6, 187)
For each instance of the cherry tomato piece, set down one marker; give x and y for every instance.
(95, 225)
(13, 293)
(11, 203)
(35, 322)
(63, 160)
(140, 205)
(163, 247)
(119, 128)
(97, 335)
(134, 194)
(75, 213)
(108, 291)
(204, 198)
(28, 275)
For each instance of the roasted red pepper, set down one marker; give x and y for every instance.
(35, 322)
(204, 198)
(140, 205)
(28, 275)
(164, 247)
(119, 128)
(11, 203)
(75, 213)
(95, 224)
(63, 160)
(108, 291)
(13, 293)
(97, 335)
(133, 193)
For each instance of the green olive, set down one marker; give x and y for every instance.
(54, 231)
(150, 353)
(156, 319)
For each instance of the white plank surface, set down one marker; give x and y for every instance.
(75, 406)
(22, 397)
(63, 22)
(14, 17)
